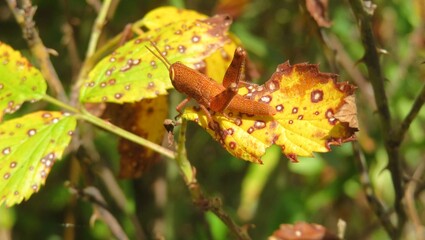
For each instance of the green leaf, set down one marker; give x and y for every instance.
(29, 147)
(132, 73)
(19, 81)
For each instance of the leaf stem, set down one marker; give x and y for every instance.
(125, 134)
(60, 104)
(85, 115)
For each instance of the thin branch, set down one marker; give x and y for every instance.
(416, 107)
(214, 205)
(24, 17)
(411, 210)
(110, 183)
(97, 27)
(380, 211)
(101, 210)
(371, 59)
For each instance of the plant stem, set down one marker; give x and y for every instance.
(374, 202)
(125, 134)
(60, 104)
(24, 17)
(97, 27)
(416, 107)
(83, 114)
(198, 198)
(371, 59)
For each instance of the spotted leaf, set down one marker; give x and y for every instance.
(307, 104)
(164, 15)
(29, 147)
(132, 73)
(19, 81)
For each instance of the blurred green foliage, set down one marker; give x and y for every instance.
(320, 190)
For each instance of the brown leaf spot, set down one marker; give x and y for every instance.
(55, 120)
(6, 176)
(70, 133)
(230, 131)
(279, 108)
(316, 96)
(31, 132)
(259, 124)
(316, 113)
(46, 115)
(196, 39)
(181, 48)
(112, 59)
(34, 187)
(153, 64)
(294, 110)
(112, 81)
(12, 164)
(232, 145)
(151, 85)
(104, 99)
(250, 130)
(1, 86)
(108, 72)
(149, 75)
(290, 121)
(43, 174)
(118, 95)
(16, 193)
(300, 117)
(127, 87)
(102, 84)
(6, 151)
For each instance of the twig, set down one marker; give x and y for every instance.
(97, 27)
(24, 17)
(416, 107)
(371, 59)
(94, 196)
(214, 205)
(411, 210)
(374, 202)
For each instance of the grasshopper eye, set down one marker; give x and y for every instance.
(172, 73)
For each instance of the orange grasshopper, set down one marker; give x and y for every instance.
(210, 95)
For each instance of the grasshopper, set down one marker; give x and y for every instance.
(210, 95)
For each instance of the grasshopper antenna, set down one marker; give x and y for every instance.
(158, 55)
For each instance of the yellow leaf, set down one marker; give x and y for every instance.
(307, 103)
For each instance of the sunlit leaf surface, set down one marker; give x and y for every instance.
(29, 147)
(307, 104)
(132, 73)
(19, 81)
